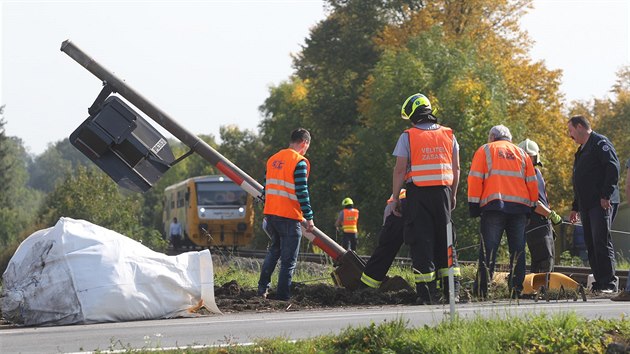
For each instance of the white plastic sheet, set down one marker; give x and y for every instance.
(78, 272)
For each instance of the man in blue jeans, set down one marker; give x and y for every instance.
(503, 190)
(287, 205)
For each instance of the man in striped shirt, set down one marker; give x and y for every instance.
(287, 205)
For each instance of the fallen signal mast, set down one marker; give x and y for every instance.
(135, 155)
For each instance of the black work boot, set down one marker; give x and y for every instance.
(427, 293)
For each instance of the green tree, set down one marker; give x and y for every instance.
(17, 202)
(244, 148)
(322, 96)
(286, 108)
(613, 114)
(6, 163)
(57, 161)
(91, 195)
(18, 209)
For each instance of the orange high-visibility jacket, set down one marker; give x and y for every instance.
(503, 172)
(350, 221)
(431, 157)
(280, 198)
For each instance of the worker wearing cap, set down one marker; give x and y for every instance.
(539, 233)
(427, 165)
(348, 221)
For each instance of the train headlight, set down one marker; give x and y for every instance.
(241, 210)
(202, 212)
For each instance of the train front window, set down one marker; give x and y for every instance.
(220, 194)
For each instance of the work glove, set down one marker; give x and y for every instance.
(555, 218)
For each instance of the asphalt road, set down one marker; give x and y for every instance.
(247, 327)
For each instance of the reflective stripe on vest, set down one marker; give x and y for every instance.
(280, 198)
(506, 177)
(431, 157)
(350, 220)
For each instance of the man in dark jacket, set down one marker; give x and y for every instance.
(596, 198)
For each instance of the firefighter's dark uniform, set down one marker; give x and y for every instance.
(427, 213)
(595, 177)
(539, 234)
(390, 240)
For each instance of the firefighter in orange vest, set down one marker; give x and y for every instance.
(287, 206)
(347, 221)
(503, 190)
(427, 165)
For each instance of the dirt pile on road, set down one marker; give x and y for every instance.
(231, 297)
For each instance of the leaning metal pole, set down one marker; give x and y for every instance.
(197, 145)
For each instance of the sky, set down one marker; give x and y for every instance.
(211, 63)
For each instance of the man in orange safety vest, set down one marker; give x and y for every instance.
(347, 221)
(503, 190)
(427, 166)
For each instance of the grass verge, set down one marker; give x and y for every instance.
(560, 333)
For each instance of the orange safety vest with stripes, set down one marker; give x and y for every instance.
(431, 157)
(502, 171)
(280, 198)
(350, 221)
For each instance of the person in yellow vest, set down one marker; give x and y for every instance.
(347, 221)
(502, 190)
(287, 207)
(427, 165)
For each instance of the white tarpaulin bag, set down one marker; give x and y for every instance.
(78, 272)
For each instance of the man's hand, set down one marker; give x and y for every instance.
(309, 225)
(396, 207)
(574, 217)
(605, 203)
(453, 201)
